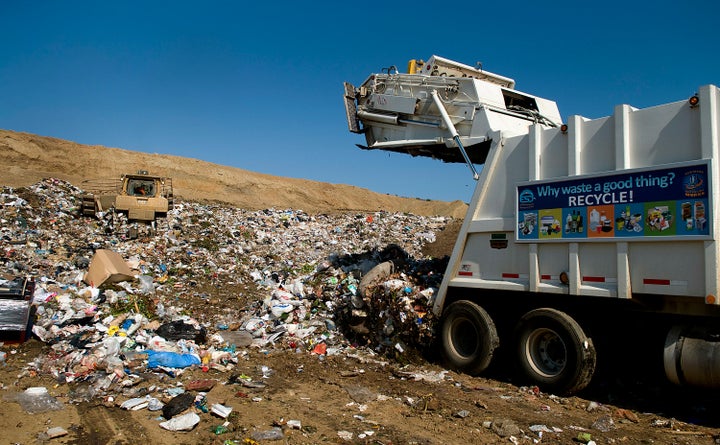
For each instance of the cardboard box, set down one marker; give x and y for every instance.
(107, 267)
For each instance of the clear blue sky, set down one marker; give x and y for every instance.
(259, 85)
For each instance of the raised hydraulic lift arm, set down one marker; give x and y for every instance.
(453, 132)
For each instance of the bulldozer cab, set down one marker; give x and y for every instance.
(144, 197)
(140, 187)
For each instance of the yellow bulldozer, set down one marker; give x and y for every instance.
(141, 197)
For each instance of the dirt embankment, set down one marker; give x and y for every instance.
(27, 158)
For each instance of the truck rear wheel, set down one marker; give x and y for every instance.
(692, 356)
(554, 352)
(468, 336)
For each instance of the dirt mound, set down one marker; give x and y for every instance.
(27, 158)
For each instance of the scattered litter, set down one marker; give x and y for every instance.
(35, 400)
(180, 330)
(427, 376)
(56, 431)
(171, 359)
(345, 435)
(221, 410)
(271, 434)
(135, 404)
(505, 428)
(358, 285)
(540, 429)
(186, 422)
(178, 404)
(221, 429)
(604, 424)
(203, 385)
(112, 300)
(627, 415)
(462, 414)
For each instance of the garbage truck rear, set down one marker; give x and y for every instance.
(594, 232)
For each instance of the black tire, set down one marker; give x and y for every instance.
(553, 351)
(468, 337)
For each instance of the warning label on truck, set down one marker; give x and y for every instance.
(640, 203)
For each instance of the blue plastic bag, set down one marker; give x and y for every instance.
(171, 359)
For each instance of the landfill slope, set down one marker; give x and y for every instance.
(27, 158)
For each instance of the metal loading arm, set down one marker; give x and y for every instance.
(453, 132)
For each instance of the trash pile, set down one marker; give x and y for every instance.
(115, 300)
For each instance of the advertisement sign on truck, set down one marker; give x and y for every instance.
(641, 203)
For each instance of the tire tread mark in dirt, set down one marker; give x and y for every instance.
(100, 426)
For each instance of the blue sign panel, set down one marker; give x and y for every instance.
(641, 203)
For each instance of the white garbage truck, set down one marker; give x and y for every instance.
(578, 234)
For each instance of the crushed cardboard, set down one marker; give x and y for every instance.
(107, 266)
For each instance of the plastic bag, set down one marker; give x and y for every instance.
(171, 359)
(178, 404)
(186, 422)
(179, 330)
(146, 284)
(36, 400)
(271, 434)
